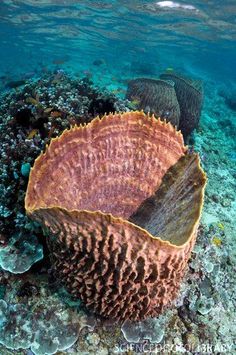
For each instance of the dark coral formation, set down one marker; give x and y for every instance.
(112, 165)
(29, 117)
(189, 93)
(155, 96)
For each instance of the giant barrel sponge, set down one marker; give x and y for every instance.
(155, 96)
(120, 201)
(189, 93)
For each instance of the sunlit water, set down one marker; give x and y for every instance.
(131, 37)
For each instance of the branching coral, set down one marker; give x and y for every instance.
(120, 200)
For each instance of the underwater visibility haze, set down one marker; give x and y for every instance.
(117, 177)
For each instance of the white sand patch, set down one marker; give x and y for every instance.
(208, 218)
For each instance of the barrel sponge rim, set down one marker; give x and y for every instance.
(139, 116)
(30, 210)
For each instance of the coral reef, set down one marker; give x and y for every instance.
(155, 96)
(202, 320)
(20, 253)
(189, 93)
(29, 118)
(103, 258)
(28, 322)
(152, 329)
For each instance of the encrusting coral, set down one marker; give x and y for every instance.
(120, 200)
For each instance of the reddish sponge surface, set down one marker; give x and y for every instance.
(110, 165)
(84, 188)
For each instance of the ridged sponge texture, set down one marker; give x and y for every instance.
(110, 165)
(155, 96)
(189, 93)
(122, 268)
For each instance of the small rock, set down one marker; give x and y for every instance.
(16, 176)
(28, 290)
(204, 305)
(25, 169)
(192, 341)
(93, 339)
(215, 198)
(226, 203)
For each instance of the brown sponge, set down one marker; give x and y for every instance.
(189, 93)
(86, 186)
(155, 96)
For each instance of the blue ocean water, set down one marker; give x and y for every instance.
(62, 62)
(197, 37)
